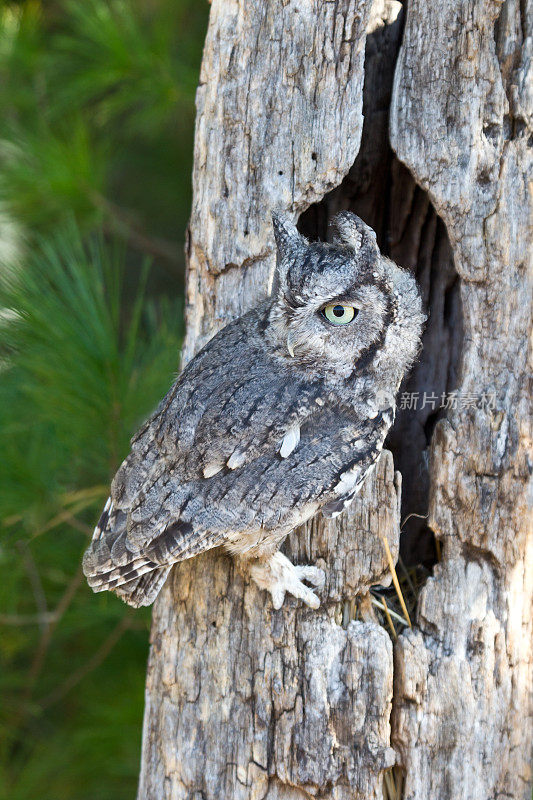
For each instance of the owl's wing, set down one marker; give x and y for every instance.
(370, 443)
(232, 404)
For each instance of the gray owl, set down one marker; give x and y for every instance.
(281, 415)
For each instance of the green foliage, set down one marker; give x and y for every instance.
(81, 370)
(97, 102)
(132, 76)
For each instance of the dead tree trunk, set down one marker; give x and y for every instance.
(245, 702)
(461, 123)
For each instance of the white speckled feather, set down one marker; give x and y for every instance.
(290, 441)
(237, 459)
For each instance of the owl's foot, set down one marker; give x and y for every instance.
(279, 576)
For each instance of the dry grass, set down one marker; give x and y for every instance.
(396, 607)
(393, 781)
(396, 604)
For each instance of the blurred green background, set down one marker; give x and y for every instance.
(96, 135)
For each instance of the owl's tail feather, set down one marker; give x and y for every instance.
(109, 576)
(137, 582)
(136, 577)
(143, 591)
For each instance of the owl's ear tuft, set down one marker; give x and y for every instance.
(288, 240)
(349, 230)
(290, 244)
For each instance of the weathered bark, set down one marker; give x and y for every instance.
(463, 718)
(244, 702)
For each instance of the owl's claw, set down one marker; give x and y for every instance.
(279, 576)
(313, 575)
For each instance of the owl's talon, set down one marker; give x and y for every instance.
(279, 576)
(313, 575)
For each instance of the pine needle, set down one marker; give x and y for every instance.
(389, 789)
(376, 601)
(393, 784)
(438, 549)
(384, 607)
(395, 580)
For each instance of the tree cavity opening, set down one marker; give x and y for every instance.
(382, 191)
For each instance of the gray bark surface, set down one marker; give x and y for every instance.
(461, 123)
(246, 702)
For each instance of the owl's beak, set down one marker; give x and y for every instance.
(292, 341)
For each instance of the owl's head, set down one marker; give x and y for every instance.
(342, 306)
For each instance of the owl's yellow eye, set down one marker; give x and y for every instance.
(339, 314)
